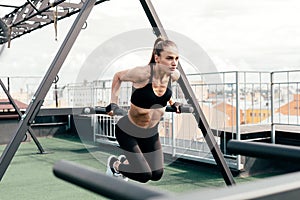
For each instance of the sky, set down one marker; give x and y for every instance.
(244, 35)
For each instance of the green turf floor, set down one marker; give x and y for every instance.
(30, 175)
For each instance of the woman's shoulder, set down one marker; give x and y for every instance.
(141, 73)
(175, 75)
(145, 68)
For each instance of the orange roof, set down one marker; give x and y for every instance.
(6, 105)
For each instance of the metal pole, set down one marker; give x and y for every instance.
(8, 84)
(272, 109)
(265, 150)
(173, 136)
(238, 118)
(44, 87)
(100, 183)
(191, 99)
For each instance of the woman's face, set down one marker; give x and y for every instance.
(168, 59)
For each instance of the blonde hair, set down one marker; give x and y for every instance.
(160, 45)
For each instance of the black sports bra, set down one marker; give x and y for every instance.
(146, 98)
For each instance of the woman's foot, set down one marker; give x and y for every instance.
(111, 169)
(122, 158)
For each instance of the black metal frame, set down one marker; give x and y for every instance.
(191, 98)
(38, 98)
(53, 70)
(35, 14)
(3, 32)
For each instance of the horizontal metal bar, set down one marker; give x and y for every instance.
(278, 187)
(100, 183)
(264, 150)
(102, 110)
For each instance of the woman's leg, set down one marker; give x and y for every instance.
(137, 167)
(154, 155)
(143, 150)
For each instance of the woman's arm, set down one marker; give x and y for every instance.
(116, 85)
(134, 75)
(175, 76)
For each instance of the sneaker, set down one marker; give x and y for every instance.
(122, 158)
(110, 169)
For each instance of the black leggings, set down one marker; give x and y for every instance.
(142, 149)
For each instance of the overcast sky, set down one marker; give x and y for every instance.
(236, 35)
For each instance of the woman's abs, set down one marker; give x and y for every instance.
(145, 118)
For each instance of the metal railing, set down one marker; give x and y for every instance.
(285, 100)
(231, 101)
(224, 98)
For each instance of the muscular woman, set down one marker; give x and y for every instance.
(137, 132)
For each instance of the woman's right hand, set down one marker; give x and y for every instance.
(110, 108)
(113, 109)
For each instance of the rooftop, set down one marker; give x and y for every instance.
(30, 175)
(6, 105)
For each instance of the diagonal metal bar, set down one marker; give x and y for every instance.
(44, 87)
(11, 100)
(8, 6)
(191, 99)
(33, 6)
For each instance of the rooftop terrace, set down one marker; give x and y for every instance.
(30, 174)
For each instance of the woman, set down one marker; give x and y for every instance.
(137, 132)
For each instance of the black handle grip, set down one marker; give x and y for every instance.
(95, 110)
(183, 109)
(102, 110)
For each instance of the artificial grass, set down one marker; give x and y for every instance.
(30, 175)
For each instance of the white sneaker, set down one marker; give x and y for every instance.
(122, 159)
(110, 170)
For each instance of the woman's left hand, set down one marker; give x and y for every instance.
(177, 106)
